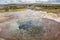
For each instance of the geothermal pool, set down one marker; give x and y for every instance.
(29, 25)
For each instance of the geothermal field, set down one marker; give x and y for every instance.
(29, 25)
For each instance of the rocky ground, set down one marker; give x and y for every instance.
(30, 25)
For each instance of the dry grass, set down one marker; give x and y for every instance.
(49, 10)
(53, 10)
(12, 10)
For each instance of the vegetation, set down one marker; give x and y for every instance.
(11, 7)
(55, 8)
(49, 8)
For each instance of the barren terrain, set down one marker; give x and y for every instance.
(10, 23)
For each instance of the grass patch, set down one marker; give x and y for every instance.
(48, 8)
